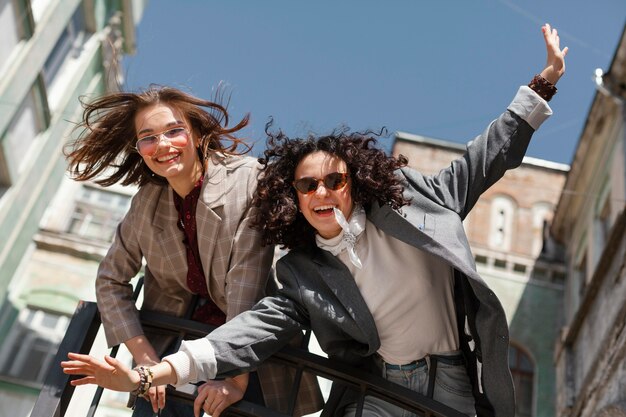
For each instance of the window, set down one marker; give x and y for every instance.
(581, 275)
(31, 344)
(481, 259)
(501, 230)
(577, 286)
(9, 32)
(602, 222)
(68, 46)
(97, 213)
(541, 212)
(523, 372)
(27, 123)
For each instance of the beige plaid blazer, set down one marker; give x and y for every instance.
(235, 264)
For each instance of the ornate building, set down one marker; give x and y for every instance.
(590, 221)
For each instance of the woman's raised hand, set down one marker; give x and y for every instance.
(555, 62)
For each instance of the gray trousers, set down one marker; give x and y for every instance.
(452, 387)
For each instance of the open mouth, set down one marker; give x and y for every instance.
(167, 157)
(324, 210)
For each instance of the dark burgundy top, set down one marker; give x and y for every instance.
(206, 311)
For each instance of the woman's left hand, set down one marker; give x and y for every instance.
(555, 63)
(215, 396)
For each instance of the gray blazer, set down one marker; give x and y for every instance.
(318, 291)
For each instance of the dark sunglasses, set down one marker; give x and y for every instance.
(332, 181)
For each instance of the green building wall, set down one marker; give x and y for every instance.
(26, 197)
(534, 313)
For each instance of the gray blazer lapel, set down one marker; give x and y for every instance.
(416, 227)
(340, 281)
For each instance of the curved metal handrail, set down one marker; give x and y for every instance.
(57, 392)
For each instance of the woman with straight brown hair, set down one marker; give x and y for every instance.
(189, 222)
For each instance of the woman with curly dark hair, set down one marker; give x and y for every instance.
(190, 223)
(370, 175)
(379, 268)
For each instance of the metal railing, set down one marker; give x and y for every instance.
(56, 393)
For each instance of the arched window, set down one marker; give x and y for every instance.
(523, 372)
(502, 216)
(541, 213)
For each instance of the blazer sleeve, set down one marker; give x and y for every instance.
(246, 341)
(250, 261)
(114, 292)
(500, 147)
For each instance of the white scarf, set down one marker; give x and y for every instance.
(347, 238)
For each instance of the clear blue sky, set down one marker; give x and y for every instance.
(437, 68)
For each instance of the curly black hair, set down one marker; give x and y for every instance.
(371, 172)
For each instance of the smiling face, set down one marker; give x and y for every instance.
(179, 165)
(317, 207)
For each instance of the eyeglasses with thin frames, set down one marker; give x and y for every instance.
(333, 181)
(176, 137)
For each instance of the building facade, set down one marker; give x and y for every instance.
(53, 230)
(507, 233)
(590, 221)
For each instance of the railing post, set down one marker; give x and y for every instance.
(56, 392)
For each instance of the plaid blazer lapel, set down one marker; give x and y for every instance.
(208, 221)
(169, 239)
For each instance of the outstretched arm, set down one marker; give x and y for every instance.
(232, 348)
(502, 145)
(113, 374)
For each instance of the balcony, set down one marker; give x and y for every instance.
(56, 393)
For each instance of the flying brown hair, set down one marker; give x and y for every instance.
(106, 139)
